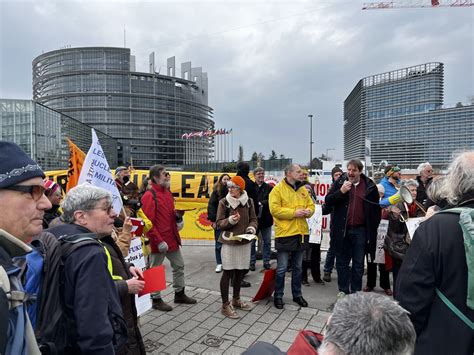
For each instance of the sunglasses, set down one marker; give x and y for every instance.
(36, 191)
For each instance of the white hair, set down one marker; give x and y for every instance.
(409, 182)
(83, 197)
(460, 178)
(368, 323)
(422, 167)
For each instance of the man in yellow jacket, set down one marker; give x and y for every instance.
(290, 205)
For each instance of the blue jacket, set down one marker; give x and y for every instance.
(389, 191)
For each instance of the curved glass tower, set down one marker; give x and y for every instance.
(146, 112)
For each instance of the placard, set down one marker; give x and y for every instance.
(381, 234)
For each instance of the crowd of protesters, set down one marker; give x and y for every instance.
(85, 241)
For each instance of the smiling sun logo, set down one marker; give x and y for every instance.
(201, 220)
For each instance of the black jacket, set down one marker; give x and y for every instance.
(49, 215)
(250, 187)
(340, 203)
(121, 268)
(436, 259)
(90, 295)
(262, 209)
(214, 203)
(421, 195)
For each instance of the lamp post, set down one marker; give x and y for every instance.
(310, 143)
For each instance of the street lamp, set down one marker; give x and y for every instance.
(310, 143)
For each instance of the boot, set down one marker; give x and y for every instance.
(160, 305)
(180, 297)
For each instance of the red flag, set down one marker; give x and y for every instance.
(267, 287)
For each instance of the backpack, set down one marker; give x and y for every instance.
(466, 221)
(16, 332)
(55, 330)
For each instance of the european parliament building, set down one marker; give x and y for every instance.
(402, 113)
(41, 132)
(146, 112)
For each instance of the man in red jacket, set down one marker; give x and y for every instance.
(158, 205)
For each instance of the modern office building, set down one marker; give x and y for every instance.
(41, 132)
(402, 113)
(146, 112)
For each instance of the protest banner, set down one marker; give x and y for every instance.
(96, 171)
(413, 224)
(136, 257)
(76, 160)
(315, 225)
(381, 234)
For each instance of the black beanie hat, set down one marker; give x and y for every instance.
(16, 166)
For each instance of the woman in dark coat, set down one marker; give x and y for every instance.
(218, 193)
(397, 240)
(127, 282)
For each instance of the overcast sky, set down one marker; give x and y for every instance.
(270, 63)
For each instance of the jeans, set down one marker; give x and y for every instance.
(217, 233)
(330, 258)
(266, 238)
(296, 269)
(353, 247)
(177, 265)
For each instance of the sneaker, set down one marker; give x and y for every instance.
(229, 312)
(238, 303)
(219, 268)
(327, 277)
(340, 295)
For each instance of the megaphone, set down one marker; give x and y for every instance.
(403, 195)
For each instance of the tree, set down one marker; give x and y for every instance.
(254, 156)
(241, 154)
(273, 156)
(282, 156)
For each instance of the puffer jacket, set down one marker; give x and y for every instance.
(284, 200)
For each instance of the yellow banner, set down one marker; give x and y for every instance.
(191, 191)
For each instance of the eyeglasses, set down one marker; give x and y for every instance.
(36, 191)
(107, 209)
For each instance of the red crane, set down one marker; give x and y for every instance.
(398, 5)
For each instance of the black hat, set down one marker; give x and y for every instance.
(16, 166)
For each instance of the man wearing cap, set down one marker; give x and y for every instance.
(126, 187)
(23, 201)
(290, 205)
(390, 183)
(158, 205)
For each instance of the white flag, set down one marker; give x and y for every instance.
(96, 171)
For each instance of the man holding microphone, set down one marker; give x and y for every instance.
(290, 205)
(355, 201)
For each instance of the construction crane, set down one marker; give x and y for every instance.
(382, 5)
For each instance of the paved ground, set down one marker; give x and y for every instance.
(193, 329)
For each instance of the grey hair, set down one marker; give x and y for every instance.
(83, 197)
(422, 167)
(290, 168)
(435, 189)
(258, 170)
(409, 182)
(460, 178)
(368, 323)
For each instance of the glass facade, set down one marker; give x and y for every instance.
(401, 112)
(146, 112)
(41, 132)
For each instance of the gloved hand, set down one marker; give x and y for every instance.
(163, 247)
